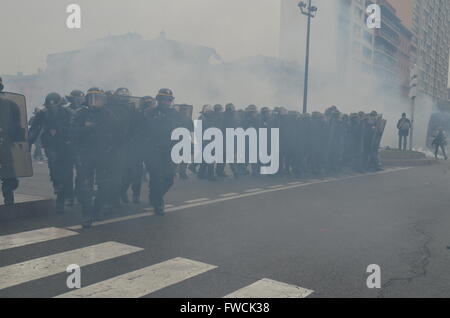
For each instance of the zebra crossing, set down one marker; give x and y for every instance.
(133, 284)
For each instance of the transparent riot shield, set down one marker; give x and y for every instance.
(186, 110)
(132, 101)
(15, 155)
(135, 102)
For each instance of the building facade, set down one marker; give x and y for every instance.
(383, 53)
(429, 21)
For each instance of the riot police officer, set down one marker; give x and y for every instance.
(158, 145)
(218, 122)
(134, 174)
(206, 170)
(251, 120)
(119, 104)
(10, 132)
(52, 124)
(185, 112)
(76, 99)
(94, 132)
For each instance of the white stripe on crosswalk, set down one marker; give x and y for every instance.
(143, 281)
(16, 274)
(32, 237)
(267, 288)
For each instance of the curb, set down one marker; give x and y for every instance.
(408, 162)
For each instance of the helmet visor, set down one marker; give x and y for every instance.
(96, 100)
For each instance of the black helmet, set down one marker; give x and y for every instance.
(251, 109)
(53, 99)
(165, 93)
(94, 90)
(122, 91)
(76, 97)
(1, 84)
(76, 93)
(95, 97)
(148, 101)
(230, 107)
(165, 97)
(218, 108)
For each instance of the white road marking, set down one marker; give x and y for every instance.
(239, 196)
(19, 273)
(267, 288)
(228, 194)
(294, 183)
(276, 186)
(32, 237)
(253, 190)
(143, 281)
(197, 200)
(115, 220)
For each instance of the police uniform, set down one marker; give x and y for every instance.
(160, 124)
(94, 129)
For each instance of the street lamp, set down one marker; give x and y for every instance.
(310, 11)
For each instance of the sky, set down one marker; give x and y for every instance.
(30, 30)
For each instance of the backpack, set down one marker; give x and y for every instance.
(406, 125)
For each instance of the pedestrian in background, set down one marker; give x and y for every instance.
(403, 126)
(440, 141)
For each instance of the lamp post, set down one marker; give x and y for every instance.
(310, 11)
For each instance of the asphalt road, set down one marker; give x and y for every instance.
(279, 237)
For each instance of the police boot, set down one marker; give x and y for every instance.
(9, 198)
(159, 208)
(136, 199)
(87, 218)
(183, 175)
(70, 202)
(60, 202)
(193, 168)
(87, 223)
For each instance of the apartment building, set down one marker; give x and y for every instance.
(429, 21)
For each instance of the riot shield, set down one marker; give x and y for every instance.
(380, 131)
(15, 155)
(132, 101)
(186, 110)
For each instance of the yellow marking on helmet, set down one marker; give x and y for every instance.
(96, 92)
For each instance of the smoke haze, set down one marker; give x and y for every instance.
(234, 29)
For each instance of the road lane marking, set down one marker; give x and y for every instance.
(276, 186)
(239, 196)
(115, 220)
(253, 190)
(143, 281)
(197, 200)
(294, 183)
(19, 273)
(228, 194)
(267, 288)
(32, 237)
